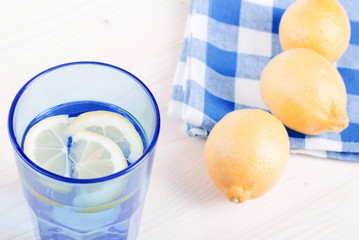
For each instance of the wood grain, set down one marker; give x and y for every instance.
(315, 199)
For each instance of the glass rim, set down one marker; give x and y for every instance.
(41, 170)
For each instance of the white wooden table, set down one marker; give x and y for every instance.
(315, 198)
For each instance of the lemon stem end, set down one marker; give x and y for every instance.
(235, 200)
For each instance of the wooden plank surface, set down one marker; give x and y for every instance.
(315, 198)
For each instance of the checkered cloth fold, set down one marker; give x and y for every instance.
(227, 44)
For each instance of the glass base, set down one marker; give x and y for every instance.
(125, 230)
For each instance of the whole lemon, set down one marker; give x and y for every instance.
(246, 153)
(304, 91)
(321, 25)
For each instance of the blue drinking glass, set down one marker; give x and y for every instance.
(105, 208)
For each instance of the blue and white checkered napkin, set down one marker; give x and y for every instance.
(227, 44)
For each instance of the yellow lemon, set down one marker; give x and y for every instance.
(246, 153)
(321, 25)
(303, 90)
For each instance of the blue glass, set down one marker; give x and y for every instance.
(104, 208)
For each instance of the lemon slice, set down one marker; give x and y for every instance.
(106, 206)
(99, 194)
(38, 195)
(46, 144)
(114, 126)
(93, 156)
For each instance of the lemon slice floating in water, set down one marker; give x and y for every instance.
(97, 135)
(114, 126)
(46, 144)
(94, 156)
(87, 155)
